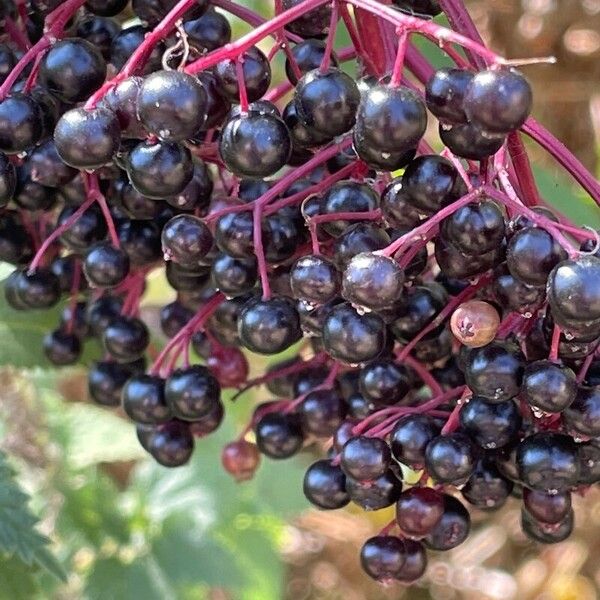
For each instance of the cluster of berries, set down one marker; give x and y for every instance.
(446, 322)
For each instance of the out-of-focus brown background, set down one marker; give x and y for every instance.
(496, 562)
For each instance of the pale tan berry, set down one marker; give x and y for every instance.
(475, 323)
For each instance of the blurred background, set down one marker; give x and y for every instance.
(123, 528)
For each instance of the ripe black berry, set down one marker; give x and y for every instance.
(269, 326)
(410, 438)
(351, 337)
(143, 399)
(72, 69)
(548, 462)
(171, 105)
(382, 557)
(125, 338)
(490, 425)
(372, 281)
(105, 265)
(160, 170)
(255, 145)
(279, 435)
(548, 386)
(364, 458)
(498, 101)
(325, 485)
(452, 529)
(450, 458)
(327, 101)
(495, 371)
(192, 392)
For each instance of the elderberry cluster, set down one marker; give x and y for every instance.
(446, 322)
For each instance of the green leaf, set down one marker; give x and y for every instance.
(216, 531)
(17, 581)
(566, 197)
(97, 435)
(91, 512)
(88, 433)
(18, 536)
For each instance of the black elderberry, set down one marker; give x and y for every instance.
(106, 381)
(192, 392)
(547, 533)
(495, 371)
(490, 425)
(308, 55)
(321, 412)
(279, 435)
(39, 289)
(143, 400)
(125, 338)
(375, 494)
(105, 265)
(314, 279)
(453, 527)
(372, 281)
(382, 557)
(208, 32)
(445, 92)
(327, 101)
(450, 458)
(186, 240)
(384, 382)
(547, 508)
(548, 387)
(467, 141)
(351, 337)
(347, 196)
(475, 228)
(171, 105)
(61, 347)
(418, 511)
(487, 488)
(574, 289)
(582, 416)
(21, 123)
(498, 101)
(432, 181)
(160, 170)
(269, 326)
(531, 255)
(325, 485)
(255, 145)
(357, 239)
(72, 70)
(548, 462)
(256, 71)
(410, 438)
(365, 458)
(172, 444)
(391, 119)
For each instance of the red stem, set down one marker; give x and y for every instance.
(330, 37)
(241, 81)
(426, 377)
(192, 325)
(553, 356)
(15, 34)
